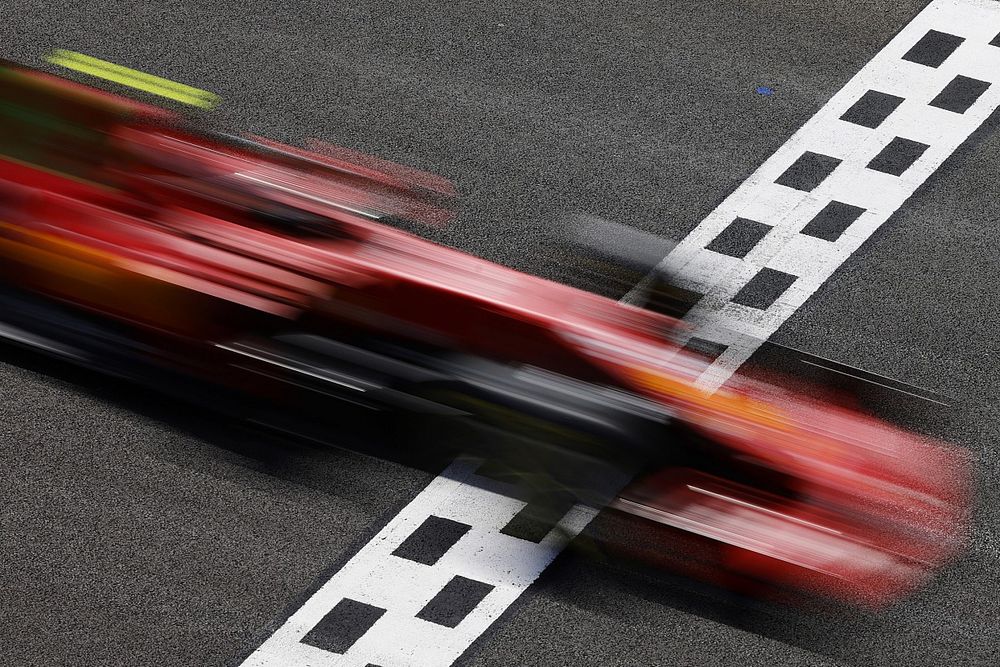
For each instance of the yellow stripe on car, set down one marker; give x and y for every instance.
(134, 78)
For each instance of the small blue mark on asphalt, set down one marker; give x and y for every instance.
(764, 90)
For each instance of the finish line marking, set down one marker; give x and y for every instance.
(426, 586)
(435, 578)
(134, 78)
(773, 242)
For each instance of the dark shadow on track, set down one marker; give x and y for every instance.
(323, 466)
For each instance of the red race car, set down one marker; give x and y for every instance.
(263, 279)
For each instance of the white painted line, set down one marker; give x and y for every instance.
(402, 587)
(375, 577)
(812, 260)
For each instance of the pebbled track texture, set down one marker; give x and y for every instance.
(138, 531)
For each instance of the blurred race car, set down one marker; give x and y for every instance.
(243, 273)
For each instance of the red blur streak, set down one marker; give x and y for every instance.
(106, 101)
(890, 497)
(376, 168)
(893, 505)
(400, 192)
(761, 543)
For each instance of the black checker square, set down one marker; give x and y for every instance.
(455, 601)
(898, 156)
(808, 171)
(343, 625)
(705, 348)
(431, 540)
(872, 109)
(960, 94)
(739, 237)
(996, 40)
(764, 289)
(933, 48)
(832, 221)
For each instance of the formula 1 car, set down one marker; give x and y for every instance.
(244, 273)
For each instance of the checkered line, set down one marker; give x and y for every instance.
(434, 579)
(838, 179)
(404, 600)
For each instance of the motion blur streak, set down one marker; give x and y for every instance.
(134, 78)
(266, 278)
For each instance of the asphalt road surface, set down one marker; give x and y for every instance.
(138, 531)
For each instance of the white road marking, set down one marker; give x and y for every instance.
(812, 260)
(373, 576)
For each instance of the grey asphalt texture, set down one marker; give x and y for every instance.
(138, 531)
